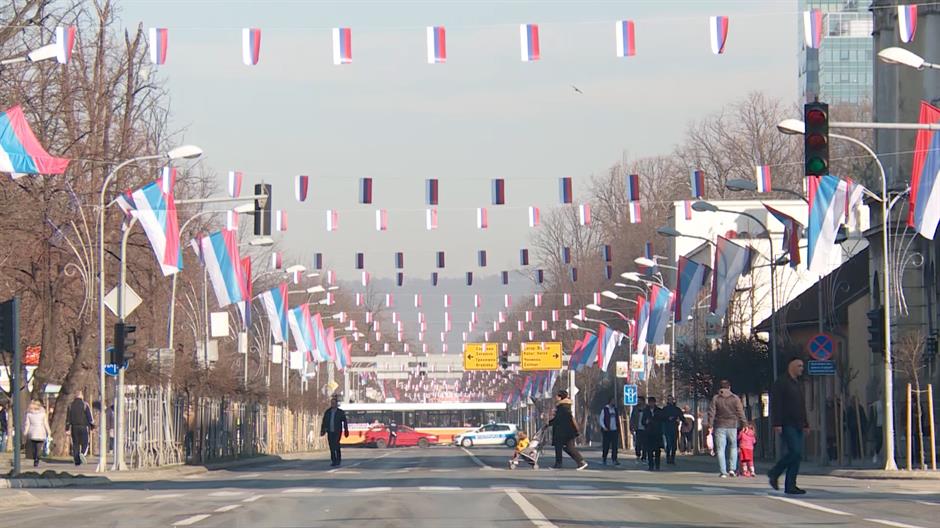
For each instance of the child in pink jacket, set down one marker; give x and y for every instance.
(747, 437)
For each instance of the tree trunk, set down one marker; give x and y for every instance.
(81, 368)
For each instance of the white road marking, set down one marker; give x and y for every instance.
(248, 475)
(442, 471)
(928, 503)
(474, 458)
(439, 488)
(914, 492)
(806, 504)
(710, 489)
(192, 520)
(644, 496)
(165, 496)
(893, 523)
(302, 490)
(226, 493)
(191, 477)
(253, 498)
(372, 490)
(651, 489)
(230, 507)
(334, 470)
(574, 487)
(89, 498)
(406, 470)
(530, 511)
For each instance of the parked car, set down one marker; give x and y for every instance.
(489, 434)
(380, 437)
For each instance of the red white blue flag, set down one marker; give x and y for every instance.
(251, 46)
(301, 183)
(718, 33)
(907, 22)
(826, 210)
(157, 44)
(792, 232)
(584, 214)
(65, 42)
(762, 174)
(731, 261)
(275, 305)
(529, 42)
(437, 45)
(626, 38)
(635, 214)
(20, 151)
(691, 278)
(633, 187)
(534, 216)
(813, 28)
(155, 209)
(220, 253)
(342, 46)
(697, 182)
(924, 208)
(235, 183)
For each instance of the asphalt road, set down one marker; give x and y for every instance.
(453, 487)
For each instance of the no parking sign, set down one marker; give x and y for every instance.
(820, 347)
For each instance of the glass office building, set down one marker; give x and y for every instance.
(840, 71)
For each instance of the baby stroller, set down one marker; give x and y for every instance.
(531, 454)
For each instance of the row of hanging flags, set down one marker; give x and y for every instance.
(530, 48)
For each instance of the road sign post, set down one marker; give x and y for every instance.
(540, 356)
(629, 395)
(481, 356)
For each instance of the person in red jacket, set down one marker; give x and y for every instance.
(747, 437)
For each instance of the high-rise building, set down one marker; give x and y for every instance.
(840, 71)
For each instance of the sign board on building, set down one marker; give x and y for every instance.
(630, 395)
(540, 356)
(816, 367)
(622, 369)
(481, 356)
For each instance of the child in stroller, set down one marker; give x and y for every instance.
(528, 451)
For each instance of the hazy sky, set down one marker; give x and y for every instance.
(484, 114)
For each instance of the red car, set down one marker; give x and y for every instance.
(380, 437)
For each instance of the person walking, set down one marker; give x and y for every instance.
(788, 415)
(36, 430)
(78, 421)
(725, 416)
(4, 428)
(653, 421)
(672, 417)
(638, 429)
(686, 430)
(392, 433)
(610, 430)
(564, 431)
(334, 423)
(747, 439)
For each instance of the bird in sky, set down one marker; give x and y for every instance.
(576, 89)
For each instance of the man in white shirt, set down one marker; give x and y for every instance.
(334, 422)
(610, 429)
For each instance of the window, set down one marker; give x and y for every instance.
(844, 54)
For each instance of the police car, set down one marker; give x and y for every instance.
(490, 434)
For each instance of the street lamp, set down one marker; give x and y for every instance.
(261, 242)
(46, 52)
(737, 184)
(183, 152)
(650, 263)
(905, 58)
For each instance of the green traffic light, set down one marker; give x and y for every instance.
(816, 166)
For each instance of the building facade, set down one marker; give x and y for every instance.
(839, 72)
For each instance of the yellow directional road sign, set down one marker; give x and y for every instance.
(481, 356)
(541, 356)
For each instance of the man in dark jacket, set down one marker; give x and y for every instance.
(609, 420)
(788, 415)
(636, 427)
(78, 421)
(564, 431)
(653, 420)
(334, 422)
(672, 418)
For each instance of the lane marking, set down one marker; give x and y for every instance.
(334, 470)
(192, 477)
(89, 498)
(806, 504)
(230, 507)
(371, 490)
(651, 489)
(226, 493)
(442, 471)
(715, 489)
(406, 470)
(643, 496)
(253, 498)
(914, 492)
(192, 520)
(474, 458)
(439, 488)
(165, 496)
(577, 488)
(248, 475)
(893, 523)
(302, 490)
(530, 511)
(928, 503)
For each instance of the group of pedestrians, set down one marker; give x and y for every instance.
(656, 428)
(78, 424)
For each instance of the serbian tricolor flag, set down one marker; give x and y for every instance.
(626, 38)
(231, 220)
(661, 311)
(440, 259)
(523, 257)
(907, 22)
(399, 279)
(534, 216)
(718, 33)
(813, 28)
(483, 219)
(507, 300)
(481, 258)
(792, 232)
(499, 191)
(924, 208)
(687, 205)
(366, 277)
(731, 261)
(318, 261)
(641, 320)
(417, 300)
(65, 42)
(477, 300)
(584, 214)
(332, 220)
(431, 194)
(277, 260)
(437, 45)
(360, 261)
(606, 253)
(235, 183)
(826, 210)
(251, 46)
(564, 190)
(365, 190)
(298, 321)
(280, 220)
(220, 253)
(529, 42)
(342, 46)
(446, 301)
(389, 300)
(430, 218)
(469, 278)
(762, 175)
(381, 220)
(697, 182)
(633, 187)
(155, 209)
(275, 305)
(20, 151)
(301, 183)
(399, 260)
(157, 44)
(691, 278)
(566, 255)
(635, 215)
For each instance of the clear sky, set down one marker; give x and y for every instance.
(482, 115)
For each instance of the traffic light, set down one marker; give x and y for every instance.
(876, 327)
(816, 139)
(931, 347)
(263, 209)
(504, 359)
(123, 341)
(8, 315)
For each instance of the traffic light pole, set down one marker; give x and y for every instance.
(120, 422)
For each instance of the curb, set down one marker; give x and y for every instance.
(56, 482)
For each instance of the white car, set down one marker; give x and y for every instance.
(489, 434)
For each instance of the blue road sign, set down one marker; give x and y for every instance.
(821, 347)
(629, 395)
(111, 369)
(820, 368)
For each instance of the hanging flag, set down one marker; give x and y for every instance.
(318, 261)
(431, 191)
(626, 38)
(566, 255)
(584, 214)
(687, 205)
(389, 300)
(924, 199)
(691, 278)
(555, 314)
(399, 260)
(574, 274)
(529, 42)
(731, 260)
(481, 258)
(565, 194)
(477, 300)
(469, 278)
(155, 209)
(608, 341)
(235, 183)
(635, 213)
(566, 299)
(275, 305)
(342, 46)
(297, 276)
(277, 261)
(440, 259)
(483, 221)
(300, 329)
(244, 306)
(301, 182)
(280, 220)
(533, 216)
(608, 272)
(523, 257)
(633, 187)
(434, 278)
(661, 311)
(360, 260)
(399, 279)
(813, 28)
(446, 300)
(698, 184)
(332, 219)
(641, 324)
(539, 276)
(365, 190)
(606, 253)
(366, 277)
(826, 209)
(231, 220)
(157, 45)
(499, 191)
(437, 45)
(65, 42)
(358, 299)
(648, 250)
(220, 252)
(381, 220)
(762, 173)
(417, 300)
(907, 22)
(431, 218)
(20, 151)
(718, 33)
(507, 300)
(792, 233)
(251, 46)
(330, 277)
(854, 193)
